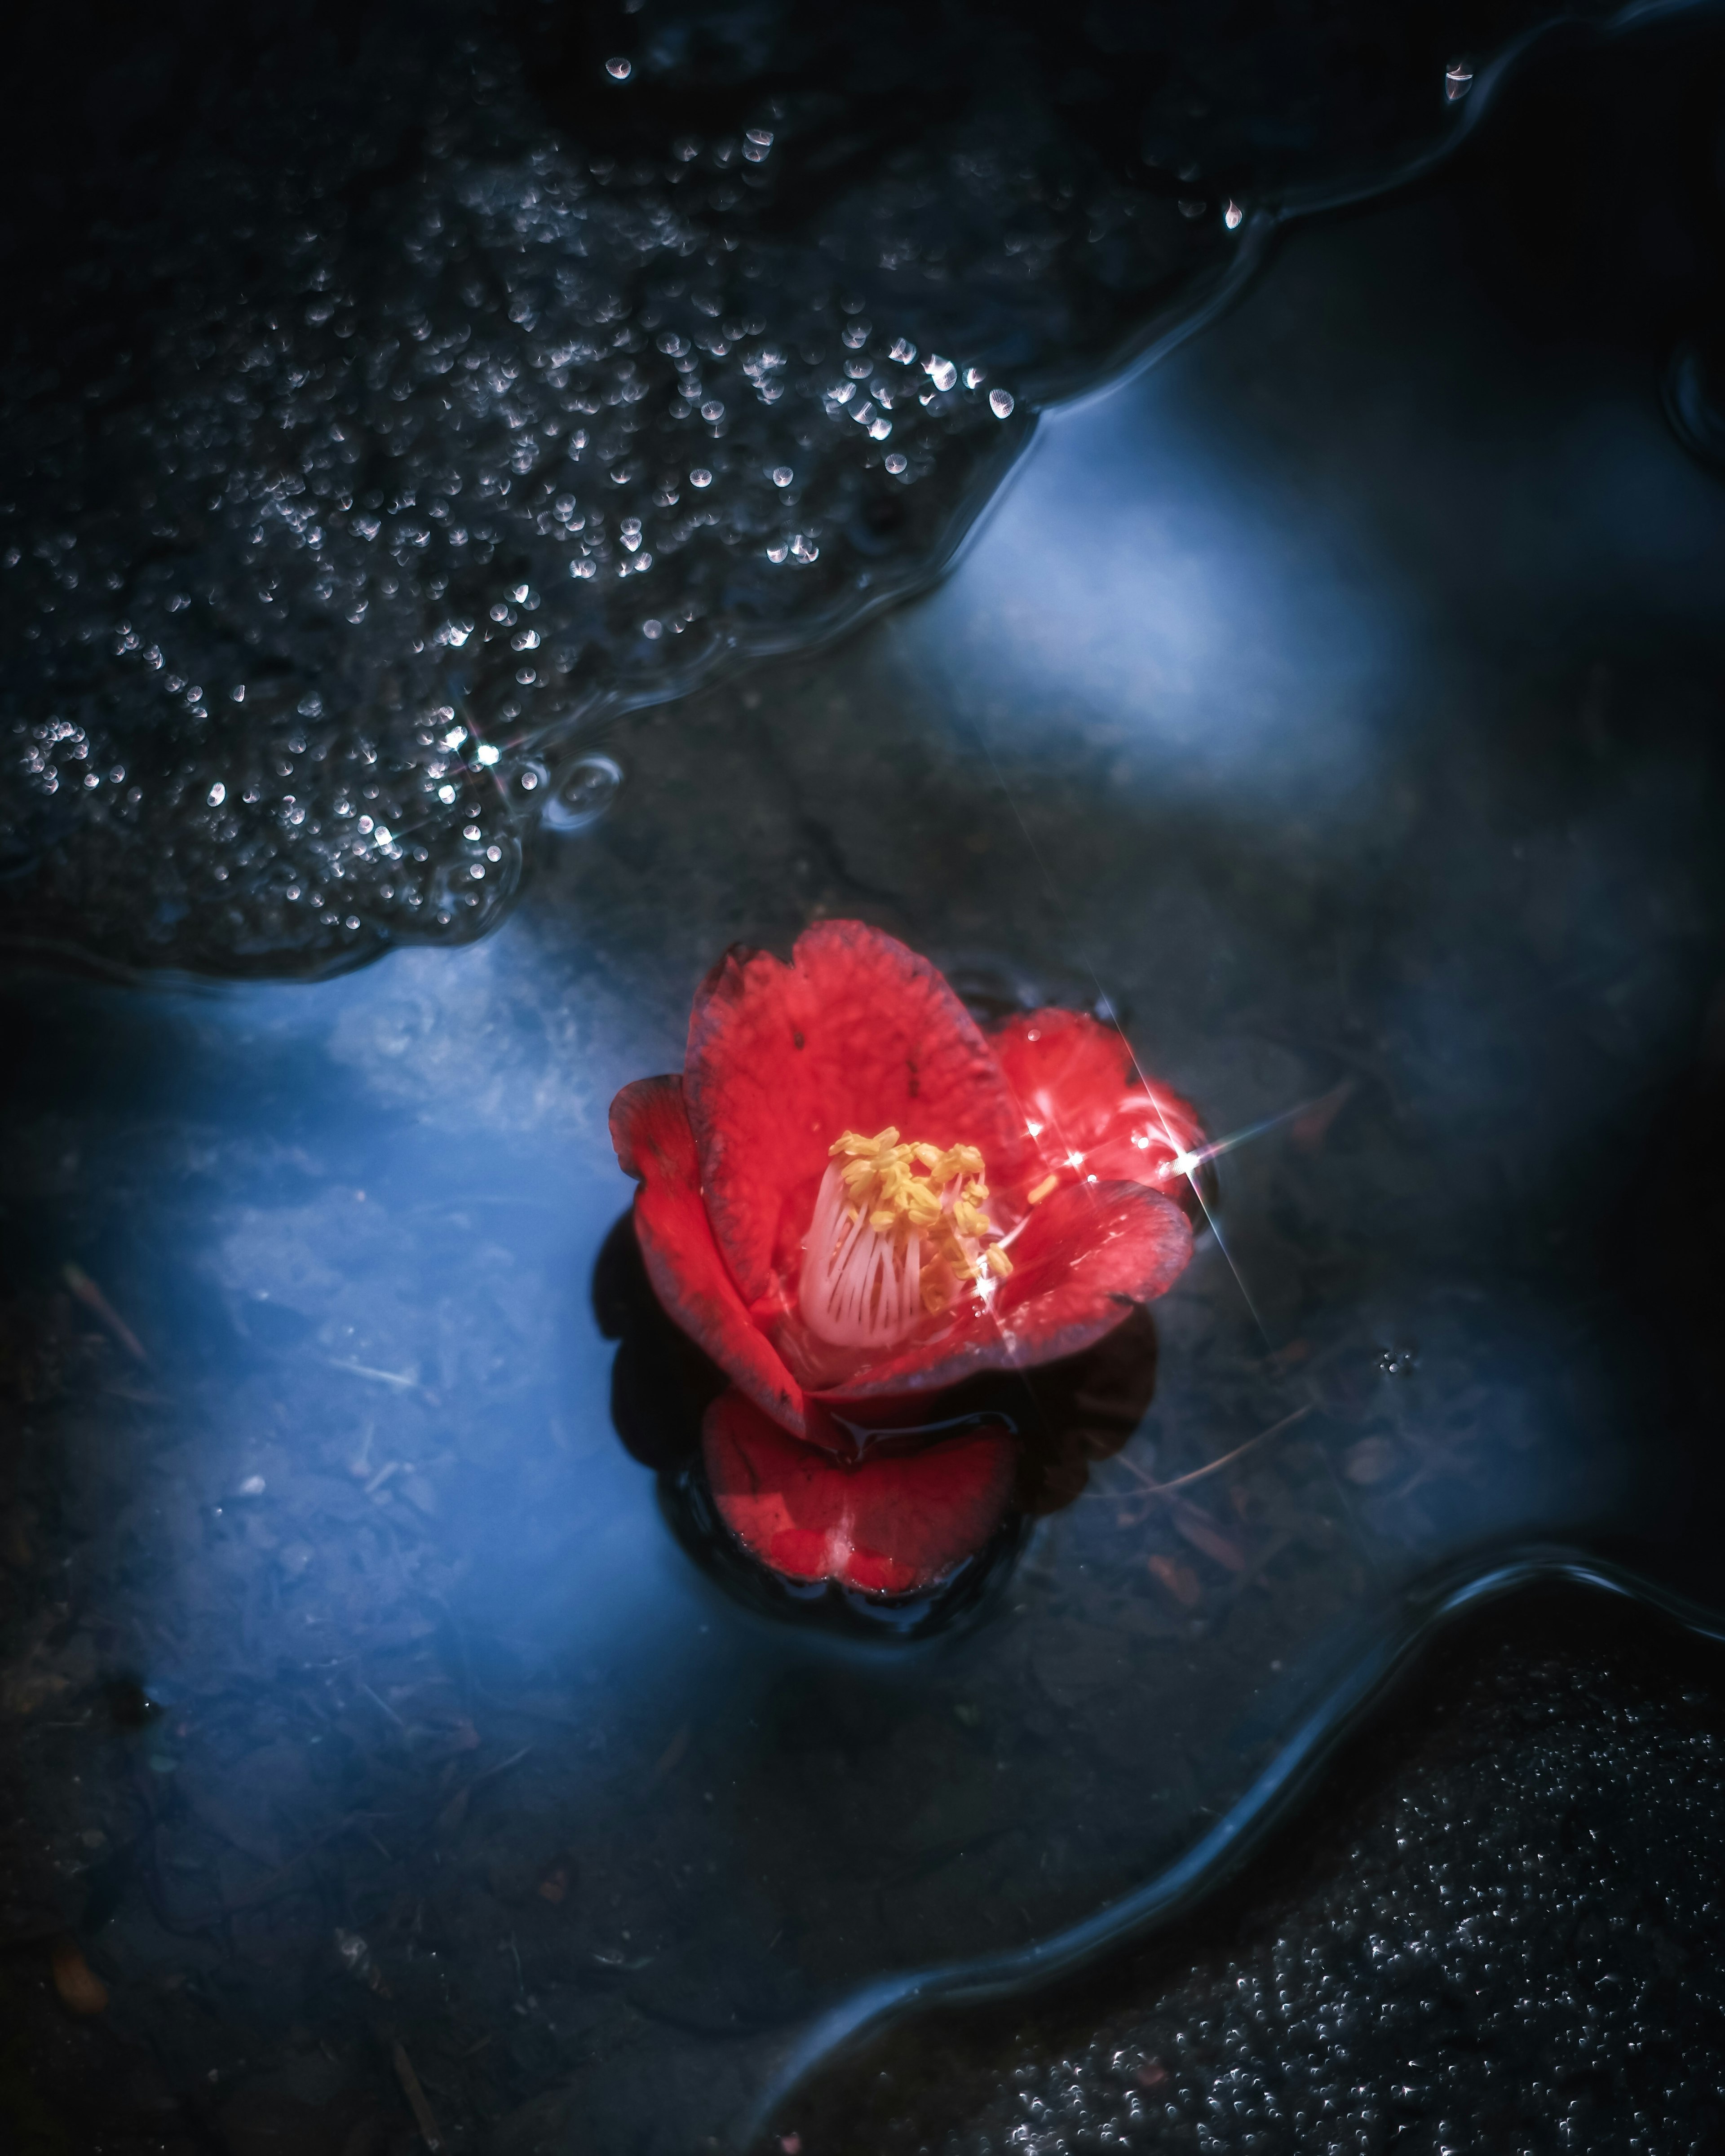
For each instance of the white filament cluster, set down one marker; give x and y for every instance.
(859, 1288)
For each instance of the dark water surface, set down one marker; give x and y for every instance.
(1337, 704)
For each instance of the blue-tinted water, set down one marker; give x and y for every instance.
(1339, 703)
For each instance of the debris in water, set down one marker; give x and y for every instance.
(91, 1296)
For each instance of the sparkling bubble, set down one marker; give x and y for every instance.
(585, 791)
(1458, 80)
(782, 474)
(896, 461)
(903, 350)
(940, 372)
(1233, 216)
(619, 70)
(974, 377)
(1001, 402)
(712, 411)
(700, 476)
(218, 794)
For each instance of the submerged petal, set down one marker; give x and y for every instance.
(889, 1524)
(650, 1131)
(856, 1033)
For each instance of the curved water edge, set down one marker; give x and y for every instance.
(202, 884)
(1376, 1660)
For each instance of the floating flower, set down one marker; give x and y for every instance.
(854, 1199)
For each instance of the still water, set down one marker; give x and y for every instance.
(1335, 703)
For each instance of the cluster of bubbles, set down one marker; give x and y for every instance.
(437, 388)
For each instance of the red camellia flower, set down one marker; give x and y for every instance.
(854, 1199)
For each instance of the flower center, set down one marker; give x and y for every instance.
(898, 1232)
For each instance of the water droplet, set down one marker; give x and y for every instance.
(619, 70)
(782, 474)
(761, 137)
(712, 411)
(1000, 403)
(897, 462)
(700, 476)
(1398, 1362)
(879, 427)
(974, 377)
(218, 794)
(653, 630)
(588, 789)
(1458, 80)
(940, 372)
(903, 350)
(1233, 216)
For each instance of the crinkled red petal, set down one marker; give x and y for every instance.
(1080, 1082)
(650, 1131)
(891, 1525)
(856, 1033)
(1085, 1255)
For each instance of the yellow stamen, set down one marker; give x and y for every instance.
(936, 1194)
(1043, 1188)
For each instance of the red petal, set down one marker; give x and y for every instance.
(650, 1131)
(1080, 1081)
(1086, 1256)
(891, 1525)
(857, 1032)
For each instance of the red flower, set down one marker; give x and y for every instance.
(853, 1199)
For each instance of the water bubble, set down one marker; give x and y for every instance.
(940, 372)
(903, 350)
(974, 377)
(879, 427)
(619, 70)
(1192, 206)
(1000, 403)
(761, 137)
(897, 462)
(782, 474)
(712, 411)
(586, 792)
(1458, 80)
(700, 476)
(1400, 1361)
(488, 753)
(218, 794)
(1233, 216)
